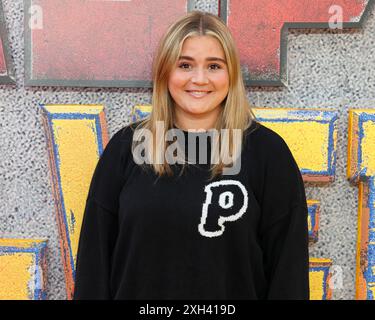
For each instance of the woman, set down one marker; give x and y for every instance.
(176, 230)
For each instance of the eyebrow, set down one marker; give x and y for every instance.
(208, 59)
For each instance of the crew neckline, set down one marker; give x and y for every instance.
(192, 132)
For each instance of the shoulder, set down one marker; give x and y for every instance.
(119, 145)
(111, 169)
(123, 135)
(272, 165)
(117, 153)
(270, 157)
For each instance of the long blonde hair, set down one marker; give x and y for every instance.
(236, 112)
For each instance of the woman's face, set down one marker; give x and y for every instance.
(199, 82)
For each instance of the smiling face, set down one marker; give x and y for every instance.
(199, 82)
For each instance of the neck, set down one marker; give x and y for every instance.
(186, 121)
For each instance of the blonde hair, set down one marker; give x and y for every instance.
(236, 112)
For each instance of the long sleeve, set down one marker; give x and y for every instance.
(99, 226)
(97, 239)
(284, 226)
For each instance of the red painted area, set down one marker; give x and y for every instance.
(256, 26)
(100, 40)
(3, 68)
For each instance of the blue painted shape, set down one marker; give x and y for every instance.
(362, 173)
(138, 115)
(312, 212)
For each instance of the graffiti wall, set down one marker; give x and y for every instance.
(72, 73)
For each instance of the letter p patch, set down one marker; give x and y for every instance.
(226, 200)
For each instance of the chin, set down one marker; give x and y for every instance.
(197, 111)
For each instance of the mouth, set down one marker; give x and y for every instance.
(198, 94)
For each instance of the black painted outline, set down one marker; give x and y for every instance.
(76, 83)
(283, 76)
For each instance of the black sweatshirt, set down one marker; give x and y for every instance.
(241, 236)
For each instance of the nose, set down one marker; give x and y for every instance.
(199, 76)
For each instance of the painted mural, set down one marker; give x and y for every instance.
(263, 43)
(95, 43)
(76, 136)
(361, 172)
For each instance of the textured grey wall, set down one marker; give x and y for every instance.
(326, 70)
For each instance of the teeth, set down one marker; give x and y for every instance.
(198, 93)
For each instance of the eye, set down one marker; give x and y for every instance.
(215, 65)
(183, 65)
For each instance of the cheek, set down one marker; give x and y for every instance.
(222, 82)
(176, 81)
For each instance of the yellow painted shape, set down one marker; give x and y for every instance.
(320, 260)
(16, 271)
(74, 108)
(78, 155)
(371, 286)
(368, 148)
(307, 140)
(316, 278)
(285, 113)
(19, 243)
(368, 162)
(311, 202)
(143, 108)
(350, 147)
(316, 285)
